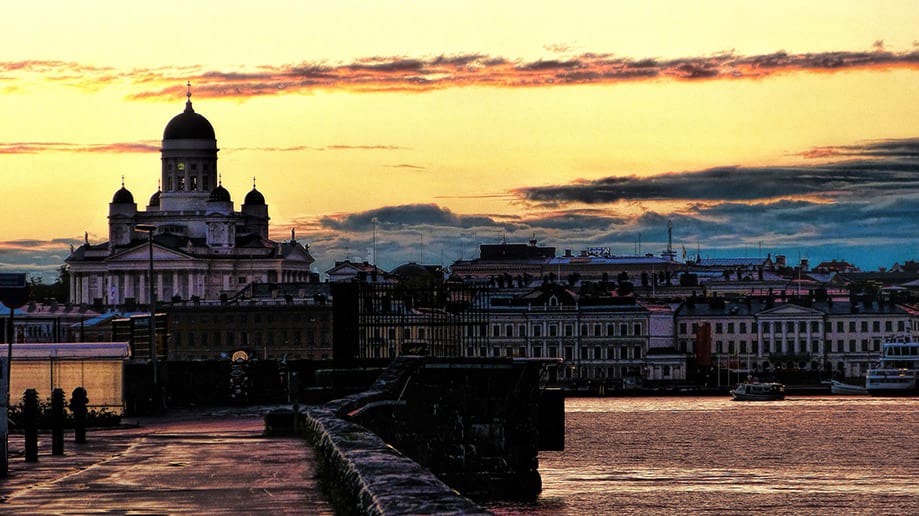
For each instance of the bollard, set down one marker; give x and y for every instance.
(30, 424)
(78, 402)
(57, 422)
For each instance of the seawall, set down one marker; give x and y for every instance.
(364, 475)
(430, 429)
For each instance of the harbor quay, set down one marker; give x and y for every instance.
(190, 461)
(427, 434)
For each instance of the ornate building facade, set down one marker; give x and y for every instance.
(202, 249)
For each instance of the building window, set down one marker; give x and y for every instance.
(636, 329)
(597, 328)
(569, 330)
(537, 330)
(623, 330)
(730, 327)
(682, 328)
(553, 330)
(743, 327)
(194, 183)
(610, 330)
(180, 183)
(522, 330)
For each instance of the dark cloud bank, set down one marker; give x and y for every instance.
(863, 208)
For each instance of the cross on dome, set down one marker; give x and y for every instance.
(188, 108)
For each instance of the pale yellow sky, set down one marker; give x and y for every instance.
(465, 148)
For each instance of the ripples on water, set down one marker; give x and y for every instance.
(804, 455)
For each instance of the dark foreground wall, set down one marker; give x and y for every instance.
(477, 424)
(363, 475)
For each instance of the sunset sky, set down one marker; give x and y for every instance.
(755, 127)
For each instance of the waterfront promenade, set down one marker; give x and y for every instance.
(213, 461)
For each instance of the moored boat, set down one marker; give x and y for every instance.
(896, 373)
(748, 391)
(837, 387)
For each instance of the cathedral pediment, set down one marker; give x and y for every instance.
(789, 310)
(142, 253)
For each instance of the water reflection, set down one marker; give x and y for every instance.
(814, 455)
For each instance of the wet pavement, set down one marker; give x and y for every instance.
(189, 462)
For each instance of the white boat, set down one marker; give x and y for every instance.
(758, 391)
(895, 374)
(837, 387)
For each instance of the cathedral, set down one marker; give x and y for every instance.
(202, 249)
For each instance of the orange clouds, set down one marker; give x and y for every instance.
(404, 74)
(110, 148)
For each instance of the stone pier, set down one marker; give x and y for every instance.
(432, 432)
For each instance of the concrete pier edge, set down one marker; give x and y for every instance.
(364, 475)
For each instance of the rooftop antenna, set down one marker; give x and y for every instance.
(669, 237)
(374, 220)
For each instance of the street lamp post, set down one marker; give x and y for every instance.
(149, 229)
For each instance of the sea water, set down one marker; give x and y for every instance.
(710, 455)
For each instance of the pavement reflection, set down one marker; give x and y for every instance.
(197, 461)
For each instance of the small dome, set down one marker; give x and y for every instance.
(219, 194)
(155, 198)
(188, 125)
(123, 196)
(413, 271)
(255, 198)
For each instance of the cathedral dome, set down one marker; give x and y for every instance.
(123, 196)
(219, 194)
(255, 198)
(189, 125)
(155, 198)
